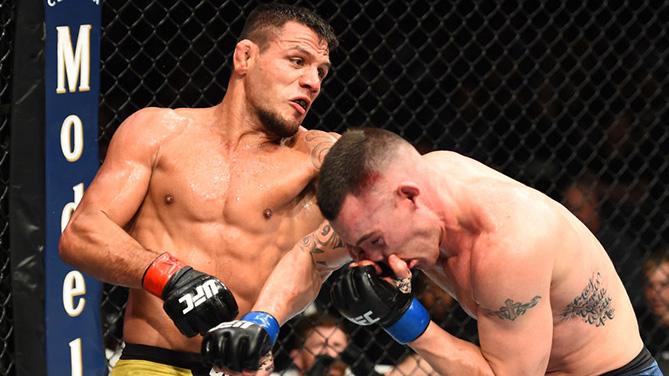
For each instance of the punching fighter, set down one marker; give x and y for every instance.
(193, 207)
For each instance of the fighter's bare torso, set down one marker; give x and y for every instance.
(589, 305)
(228, 206)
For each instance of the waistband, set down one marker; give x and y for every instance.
(640, 363)
(191, 361)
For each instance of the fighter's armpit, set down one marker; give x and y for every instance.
(511, 310)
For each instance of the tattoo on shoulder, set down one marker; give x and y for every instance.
(320, 144)
(512, 310)
(322, 240)
(593, 305)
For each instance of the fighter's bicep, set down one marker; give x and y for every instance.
(512, 286)
(516, 338)
(118, 190)
(122, 180)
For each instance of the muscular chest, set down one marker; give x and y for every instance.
(239, 189)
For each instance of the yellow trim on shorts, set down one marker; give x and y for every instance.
(133, 367)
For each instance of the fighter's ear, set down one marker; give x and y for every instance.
(243, 55)
(409, 190)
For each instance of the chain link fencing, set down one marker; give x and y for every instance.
(567, 97)
(6, 323)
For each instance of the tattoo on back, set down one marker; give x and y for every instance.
(512, 310)
(593, 305)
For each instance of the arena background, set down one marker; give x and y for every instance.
(550, 93)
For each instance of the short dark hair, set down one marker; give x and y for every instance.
(352, 165)
(265, 19)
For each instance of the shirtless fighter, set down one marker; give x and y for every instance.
(193, 208)
(544, 292)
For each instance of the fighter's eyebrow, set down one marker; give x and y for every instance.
(303, 50)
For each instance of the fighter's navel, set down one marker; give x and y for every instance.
(267, 213)
(169, 199)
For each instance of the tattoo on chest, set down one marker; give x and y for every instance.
(512, 310)
(593, 305)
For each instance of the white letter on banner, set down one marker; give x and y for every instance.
(75, 357)
(72, 152)
(74, 285)
(69, 208)
(74, 62)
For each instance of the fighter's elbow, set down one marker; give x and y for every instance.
(69, 240)
(66, 245)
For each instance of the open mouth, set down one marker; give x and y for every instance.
(302, 103)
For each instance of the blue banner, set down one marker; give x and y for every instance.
(74, 343)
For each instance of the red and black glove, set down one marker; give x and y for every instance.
(195, 301)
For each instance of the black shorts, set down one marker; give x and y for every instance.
(642, 364)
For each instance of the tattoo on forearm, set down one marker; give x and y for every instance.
(512, 310)
(323, 240)
(321, 144)
(593, 305)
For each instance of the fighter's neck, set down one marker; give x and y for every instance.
(462, 219)
(238, 127)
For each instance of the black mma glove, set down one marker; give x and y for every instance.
(195, 301)
(240, 344)
(365, 298)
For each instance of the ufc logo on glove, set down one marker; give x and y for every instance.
(365, 319)
(202, 293)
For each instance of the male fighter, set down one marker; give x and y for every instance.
(545, 293)
(193, 208)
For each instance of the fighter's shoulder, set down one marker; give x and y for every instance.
(150, 125)
(149, 119)
(513, 260)
(522, 228)
(314, 143)
(311, 138)
(450, 158)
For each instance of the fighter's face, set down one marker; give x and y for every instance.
(286, 78)
(657, 291)
(376, 225)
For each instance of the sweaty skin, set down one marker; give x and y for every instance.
(215, 187)
(544, 292)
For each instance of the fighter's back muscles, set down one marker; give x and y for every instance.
(94, 240)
